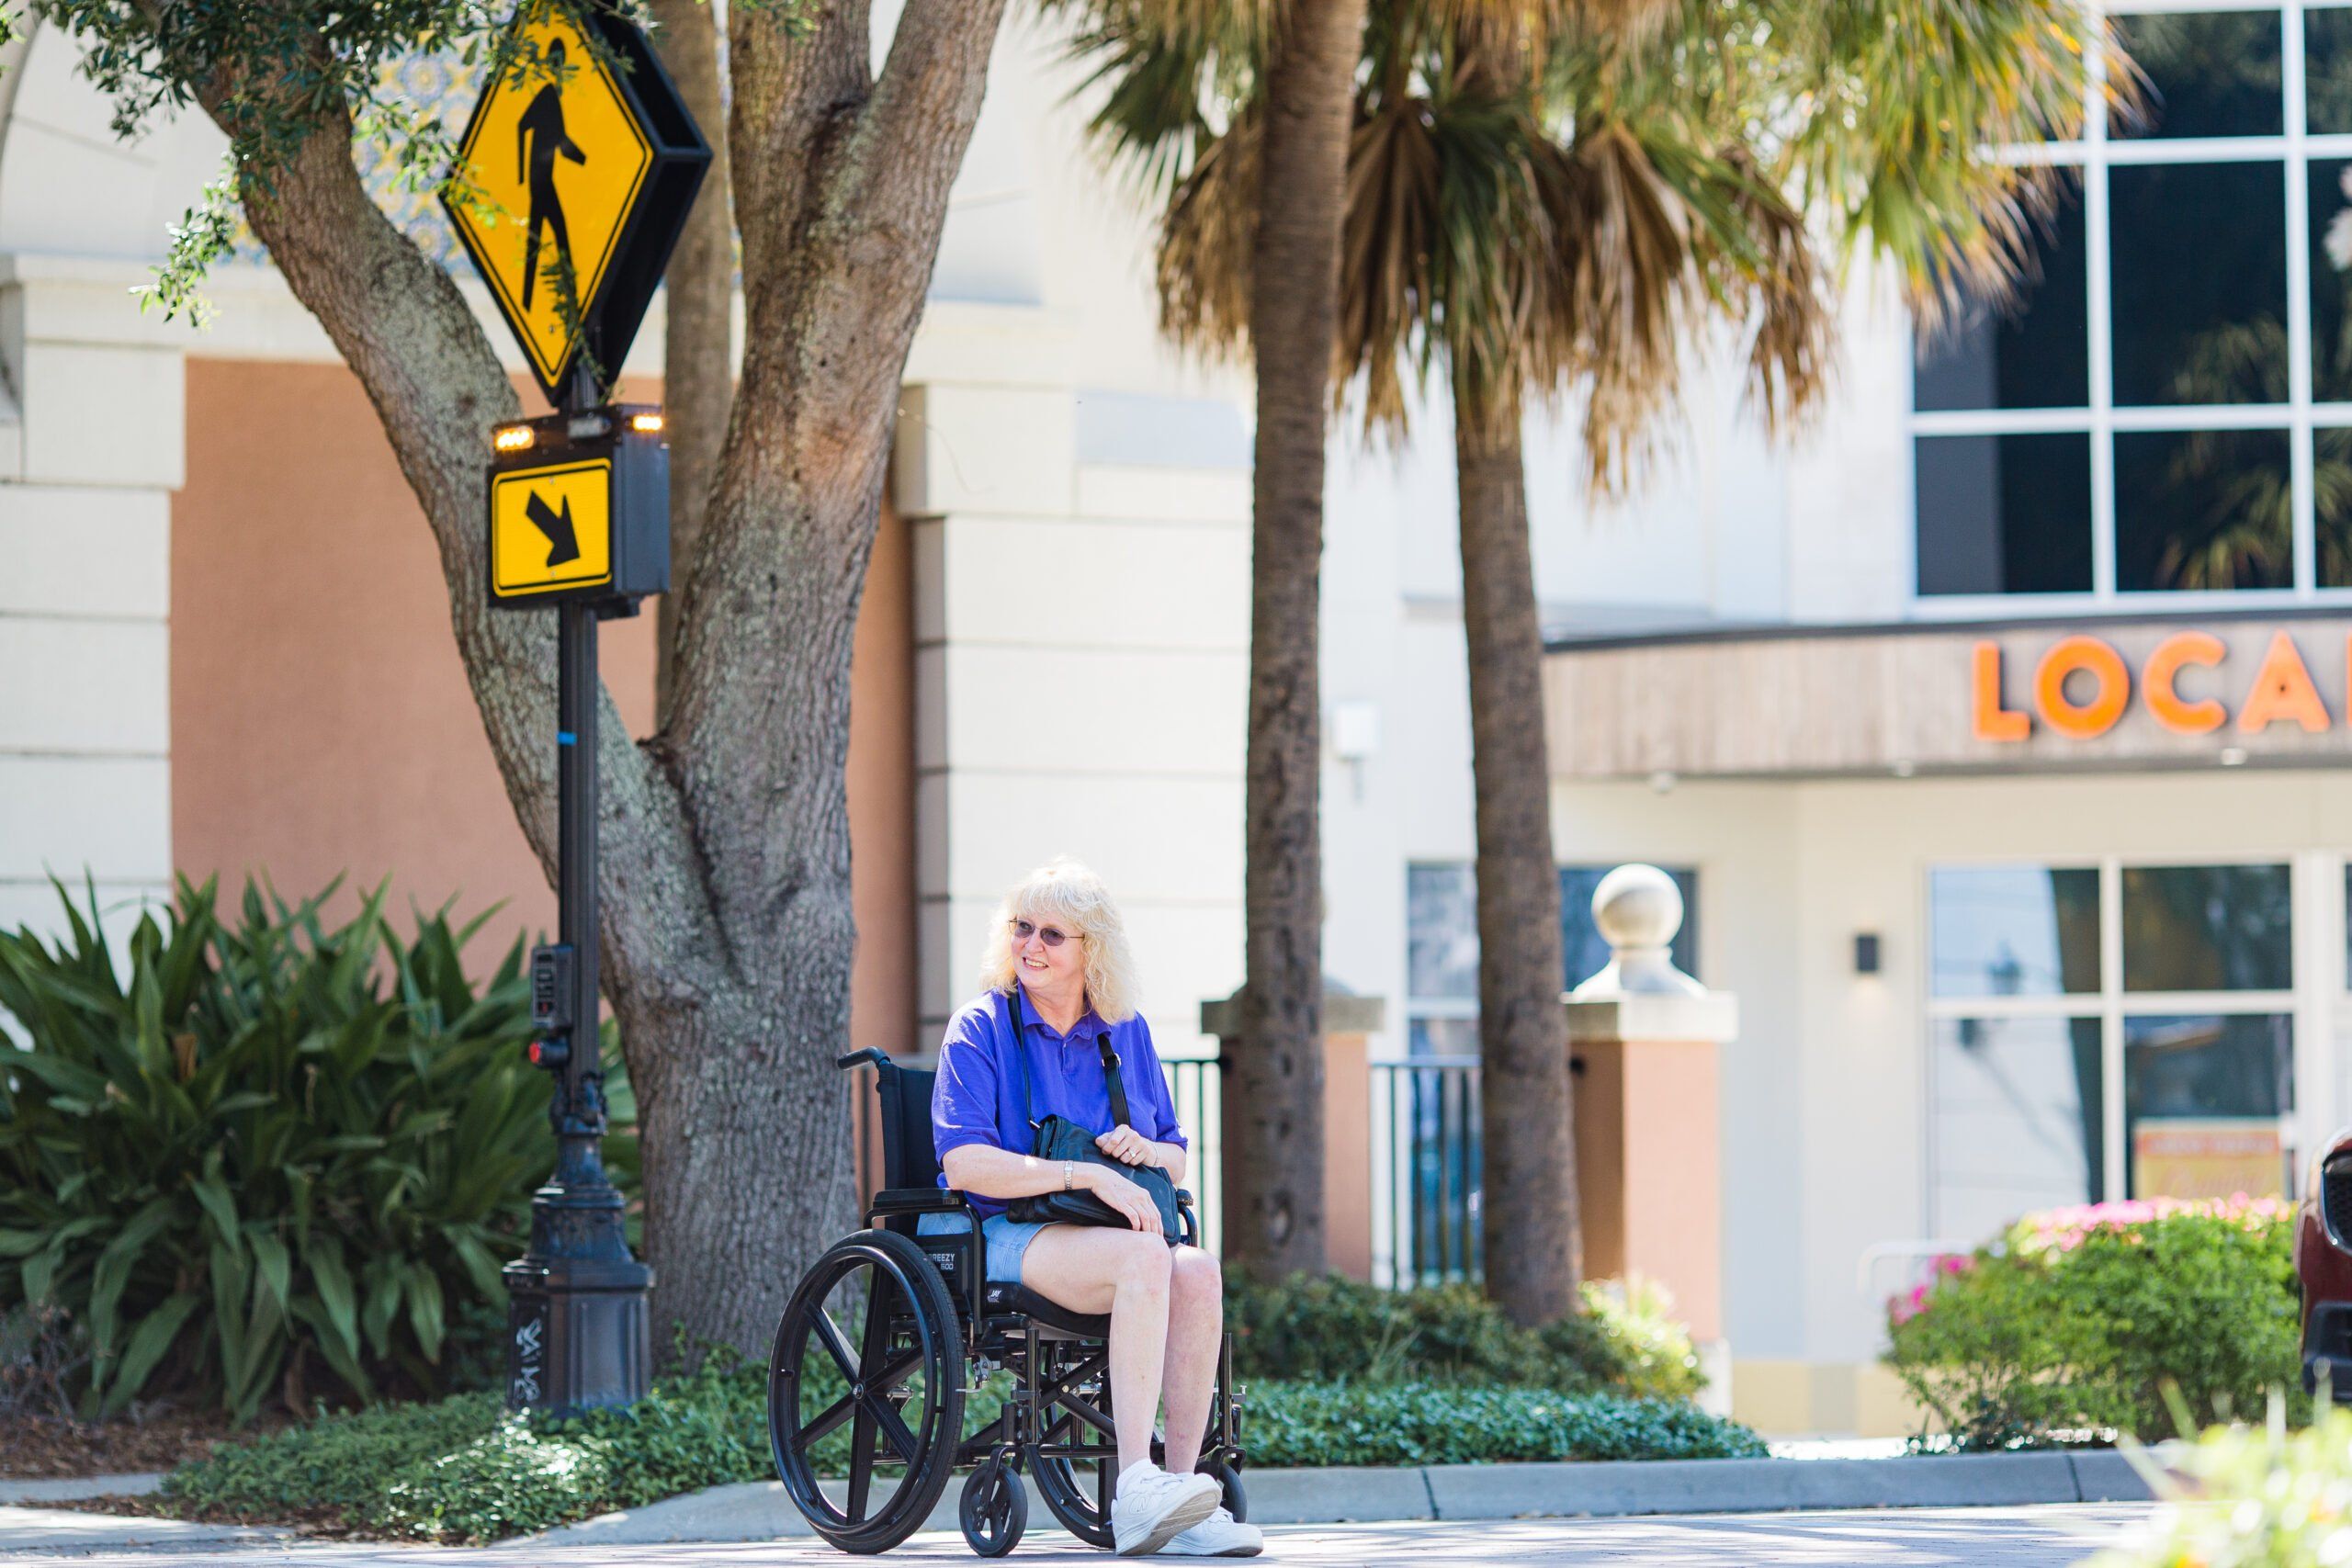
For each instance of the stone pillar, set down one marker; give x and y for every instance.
(92, 426)
(1644, 1037)
(1349, 1022)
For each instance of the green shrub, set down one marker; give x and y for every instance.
(2079, 1320)
(1328, 1327)
(465, 1470)
(272, 1158)
(1312, 1423)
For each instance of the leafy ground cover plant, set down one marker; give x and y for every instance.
(2080, 1320)
(1330, 1328)
(466, 1470)
(265, 1156)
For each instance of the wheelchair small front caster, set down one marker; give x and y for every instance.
(1237, 1501)
(994, 1509)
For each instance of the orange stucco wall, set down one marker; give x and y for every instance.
(320, 722)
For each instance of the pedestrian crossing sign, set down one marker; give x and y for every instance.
(572, 179)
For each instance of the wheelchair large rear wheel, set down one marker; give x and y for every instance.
(865, 1382)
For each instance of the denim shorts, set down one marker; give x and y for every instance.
(1006, 1239)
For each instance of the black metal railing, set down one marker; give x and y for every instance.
(1425, 1118)
(1198, 1091)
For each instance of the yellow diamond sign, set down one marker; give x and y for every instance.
(573, 180)
(551, 529)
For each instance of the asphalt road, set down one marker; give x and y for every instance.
(1949, 1537)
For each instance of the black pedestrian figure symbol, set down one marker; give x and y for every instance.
(539, 137)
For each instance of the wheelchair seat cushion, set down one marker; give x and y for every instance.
(1051, 1314)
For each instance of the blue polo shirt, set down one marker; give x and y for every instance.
(977, 1097)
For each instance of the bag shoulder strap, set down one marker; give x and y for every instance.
(1021, 1055)
(1111, 1078)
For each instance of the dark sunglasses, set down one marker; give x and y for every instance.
(1023, 931)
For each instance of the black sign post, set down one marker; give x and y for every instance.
(579, 522)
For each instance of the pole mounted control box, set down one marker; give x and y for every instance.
(552, 989)
(579, 508)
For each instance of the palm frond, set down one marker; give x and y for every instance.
(1203, 268)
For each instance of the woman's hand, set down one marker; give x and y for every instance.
(1131, 1200)
(1127, 1146)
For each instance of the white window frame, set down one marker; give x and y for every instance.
(2094, 155)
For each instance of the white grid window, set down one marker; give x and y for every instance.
(2107, 1030)
(2167, 417)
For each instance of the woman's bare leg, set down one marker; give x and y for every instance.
(1096, 1268)
(1195, 1331)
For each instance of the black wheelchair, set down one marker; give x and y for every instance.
(925, 1320)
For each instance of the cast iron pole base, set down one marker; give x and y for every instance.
(579, 1334)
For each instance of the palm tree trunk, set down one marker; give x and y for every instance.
(1273, 1163)
(698, 358)
(1533, 1243)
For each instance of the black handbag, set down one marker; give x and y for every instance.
(1059, 1139)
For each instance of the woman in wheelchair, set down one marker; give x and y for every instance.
(1059, 976)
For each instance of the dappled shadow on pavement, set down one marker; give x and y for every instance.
(2046, 1537)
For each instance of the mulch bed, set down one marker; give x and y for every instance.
(44, 1448)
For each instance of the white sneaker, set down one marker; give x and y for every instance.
(1152, 1508)
(1219, 1535)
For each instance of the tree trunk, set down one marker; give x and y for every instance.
(1273, 1106)
(698, 353)
(1533, 1245)
(724, 873)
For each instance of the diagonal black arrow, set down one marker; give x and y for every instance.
(563, 542)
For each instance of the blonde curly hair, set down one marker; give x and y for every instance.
(1071, 895)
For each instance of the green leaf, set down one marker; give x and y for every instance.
(276, 1272)
(220, 1207)
(148, 1342)
(424, 1309)
(333, 1280)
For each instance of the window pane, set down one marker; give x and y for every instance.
(2212, 331)
(2208, 74)
(2004, 513)
(2035, 353)
(1440, 931)
(1581, 943)
(2331, 273)
(2327, 70)
(2016, 1120)
(2013, 932)
(2202, 1098)
(2207, 928)
(2203, 509)
(2331, 506)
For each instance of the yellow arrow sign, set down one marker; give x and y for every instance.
(551, 529)
(556, 161)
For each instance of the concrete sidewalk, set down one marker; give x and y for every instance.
(761, 1511)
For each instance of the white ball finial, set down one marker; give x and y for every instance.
(1638, 910)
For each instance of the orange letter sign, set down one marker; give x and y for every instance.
(2165, 700)
(2282, 689)
(2112, 682)
(1994, 722)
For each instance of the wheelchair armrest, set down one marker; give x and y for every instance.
(1188, 1223)
(914, 1200)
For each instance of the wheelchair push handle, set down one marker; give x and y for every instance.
(873, 1054)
